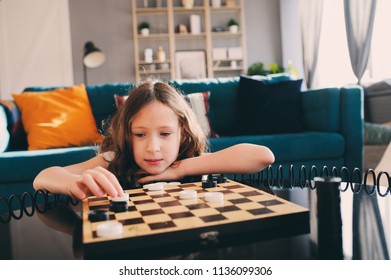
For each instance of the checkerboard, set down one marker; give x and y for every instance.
(161, 218)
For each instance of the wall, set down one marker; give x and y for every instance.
(35, 45)
(109, 25)
(291, 34)
(263, 31)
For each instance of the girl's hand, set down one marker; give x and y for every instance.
(97, 181)
(170, 174)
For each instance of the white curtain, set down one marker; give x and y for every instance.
(311, 21)
(359, 19)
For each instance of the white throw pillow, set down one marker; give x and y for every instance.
(199, 103)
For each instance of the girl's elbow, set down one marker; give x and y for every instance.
(271, 157)
(267, 158)
(37, 181)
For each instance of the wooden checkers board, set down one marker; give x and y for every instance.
(160, 218)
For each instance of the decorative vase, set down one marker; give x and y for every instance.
(188, 4)
(233, 28)
(144, 31)
(148, 55)
(161, 55)
(195, 24)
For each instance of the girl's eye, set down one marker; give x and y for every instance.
(165, 134)
(139, 135)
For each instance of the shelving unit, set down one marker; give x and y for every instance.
(164, 22)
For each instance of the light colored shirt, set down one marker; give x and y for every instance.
(108, 156)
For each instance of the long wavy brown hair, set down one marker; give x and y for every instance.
(118, 138)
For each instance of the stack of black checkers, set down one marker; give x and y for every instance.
(98, 215)
(213, 180)
(118, 206)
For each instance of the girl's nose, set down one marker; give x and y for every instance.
(153, 144)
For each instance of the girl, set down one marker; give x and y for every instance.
(154, 136)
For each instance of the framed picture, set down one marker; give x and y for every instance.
(190, 64)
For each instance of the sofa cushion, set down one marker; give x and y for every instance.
(222, 101)
(199, 103)
(377, 134)
(20, 166)
(57, 118)
(101, 99)
(319, 109)
(295, 146)
(4, 134)
(275, 107)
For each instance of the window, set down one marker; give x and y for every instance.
(334, 68)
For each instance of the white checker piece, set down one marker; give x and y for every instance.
(124, 197)
(155, 186)
(188, 194)
(214, 196)
(109, 229)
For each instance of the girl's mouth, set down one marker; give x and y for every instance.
(153, 161)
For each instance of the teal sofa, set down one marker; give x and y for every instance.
(333, 118)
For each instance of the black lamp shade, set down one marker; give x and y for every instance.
(93, 57)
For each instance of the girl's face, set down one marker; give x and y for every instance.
(156, 135)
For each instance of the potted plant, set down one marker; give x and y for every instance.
(144, 28)
(233, 25)
(257, 68)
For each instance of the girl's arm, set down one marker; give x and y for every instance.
(79, 180)
(241, 158)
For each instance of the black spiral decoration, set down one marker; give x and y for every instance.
(355, 180)
(268, 178)
(28, 203)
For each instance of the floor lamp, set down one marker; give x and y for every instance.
(92, 58)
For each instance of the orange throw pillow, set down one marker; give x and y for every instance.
(57, 118)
